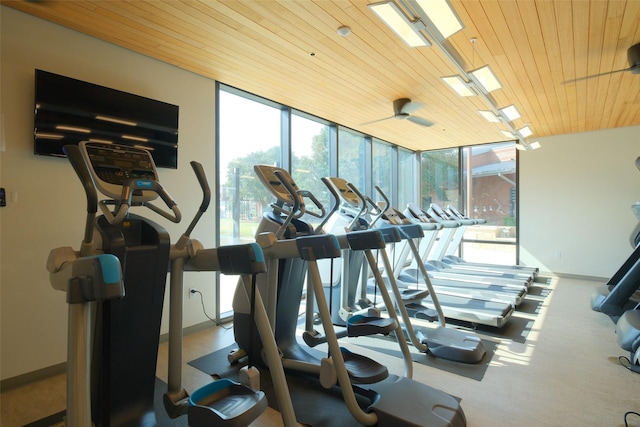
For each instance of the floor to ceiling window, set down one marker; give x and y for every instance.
(440, 177)
(352, 158)
(251, 130)
(481, 182)
(383, 168)
(490, 194)
(310, 146)
(249, 133)
(406, 178)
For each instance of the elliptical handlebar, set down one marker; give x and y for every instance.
(309, 195)
(80, 167)
(336, 203)
(375, 210)
(296, 206)
(128, 189)
(175, 215)
(198, 169)
(363, 208)
(289, 199)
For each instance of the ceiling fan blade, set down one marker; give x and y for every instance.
(420, 121)
(379, 120)
(411, 107)
(595, 75)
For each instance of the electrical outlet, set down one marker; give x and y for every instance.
(192, 292)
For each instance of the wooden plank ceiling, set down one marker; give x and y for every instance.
(289, 51)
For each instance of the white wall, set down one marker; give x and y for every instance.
(575, 198)
(46, 204)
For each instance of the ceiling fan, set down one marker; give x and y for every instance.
(403, 109)
(633, 57)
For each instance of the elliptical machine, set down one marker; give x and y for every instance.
(288, 260)
(113, 337)
(620, 297)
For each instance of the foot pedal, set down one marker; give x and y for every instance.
(359, 326)
(413, 295)
(225, 403)
(421, 312)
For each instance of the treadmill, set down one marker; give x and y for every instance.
(460, 306)
(407, 273)
(447, 236)
(441, 274)
(452, 259)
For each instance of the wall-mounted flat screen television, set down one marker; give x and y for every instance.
(68, 111)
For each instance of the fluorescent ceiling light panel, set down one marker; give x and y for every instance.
(510, 112)
(489, 116)
(534, 145)
(395, 19)
(525, 131)
(508, 134)
(458, 84)
(486, 78)
(442, 16)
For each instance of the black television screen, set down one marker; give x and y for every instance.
(68, 111)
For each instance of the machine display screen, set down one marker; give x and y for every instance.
(115, 166)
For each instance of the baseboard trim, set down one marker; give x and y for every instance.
(578, 277)
(31, 377)
(51, 371)
(191, 330)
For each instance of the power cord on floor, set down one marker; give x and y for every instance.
(626, 423)
(204, 310)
